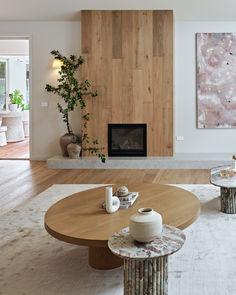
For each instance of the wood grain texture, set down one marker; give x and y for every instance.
(80, 219)
(102, 258)
(23, 179)
(86, 31)
(15, 150)
(116, 34)
(129, 60)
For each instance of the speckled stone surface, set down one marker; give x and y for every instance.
(124, 246)
(227, 189)
(178, 161)
(218, 180)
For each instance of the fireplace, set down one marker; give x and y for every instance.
(129, 140)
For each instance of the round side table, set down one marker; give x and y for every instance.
(13, 121)
(146, 264)
(3, 139)
(227, 189)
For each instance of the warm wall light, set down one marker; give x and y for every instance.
(57, 63)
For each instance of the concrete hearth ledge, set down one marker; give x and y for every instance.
(178, 161)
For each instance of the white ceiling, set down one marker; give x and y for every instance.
(69, 10)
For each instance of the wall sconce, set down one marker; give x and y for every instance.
(57, 63)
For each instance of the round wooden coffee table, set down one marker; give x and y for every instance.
(79, 219)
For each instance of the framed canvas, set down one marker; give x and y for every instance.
(216, 80)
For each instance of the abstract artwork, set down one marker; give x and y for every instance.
(216, 80)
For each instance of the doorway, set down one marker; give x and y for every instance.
(14, 98)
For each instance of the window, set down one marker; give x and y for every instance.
(27, 84)
(3, 81)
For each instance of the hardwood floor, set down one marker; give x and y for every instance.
(15, 150)
(21, 180)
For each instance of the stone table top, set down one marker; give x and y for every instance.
(8, 114)
(218, 180)
(124, 246)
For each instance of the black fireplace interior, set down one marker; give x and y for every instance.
(129, 140)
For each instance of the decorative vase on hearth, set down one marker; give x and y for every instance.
(145, 225)
(64, 141)
(73, 150)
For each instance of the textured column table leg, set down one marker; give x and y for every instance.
(228, 200)
(146, 277)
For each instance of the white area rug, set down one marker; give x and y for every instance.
(33, 262)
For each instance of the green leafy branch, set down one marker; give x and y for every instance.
(73, 94)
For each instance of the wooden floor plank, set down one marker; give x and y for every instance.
(21, 180)
(15, 150)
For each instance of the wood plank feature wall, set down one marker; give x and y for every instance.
(129, 60)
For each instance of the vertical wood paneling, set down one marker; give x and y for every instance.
(148, 118)
(86, 19)
(129, 60)
(97, 54)
(137, 115)
(148, 50)
(126, 114)
(106, 58)
(162, 31)
(116, 34)
(117, 94)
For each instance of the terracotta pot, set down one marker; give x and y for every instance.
(73, 150)
(145, 225)
(64, 141)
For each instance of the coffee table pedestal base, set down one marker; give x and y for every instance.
(228, 200)
(149, 276)
(103, 258)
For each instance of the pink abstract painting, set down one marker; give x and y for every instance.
(216, 80)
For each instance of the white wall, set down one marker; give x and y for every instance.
(195, 140)
(46, 123)
(56, 10)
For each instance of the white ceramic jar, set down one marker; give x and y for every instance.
(145, 225)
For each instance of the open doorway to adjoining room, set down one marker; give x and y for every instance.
(14, 98)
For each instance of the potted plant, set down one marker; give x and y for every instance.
(73, 93)
(75, 148)
(16, 101)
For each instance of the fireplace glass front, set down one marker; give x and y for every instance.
(127, 140)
